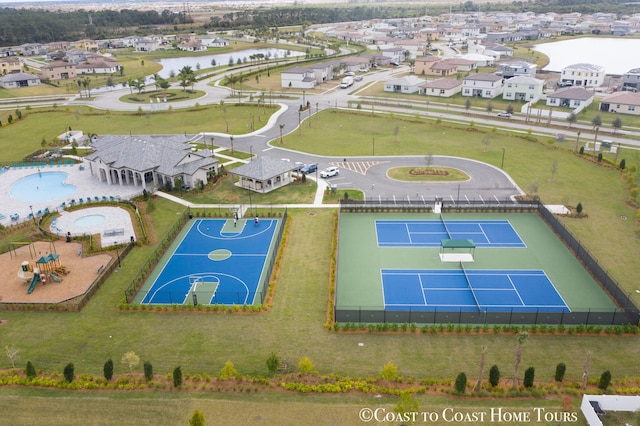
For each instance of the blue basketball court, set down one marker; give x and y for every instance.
(430, 233)
(470, 290)
(216, 262)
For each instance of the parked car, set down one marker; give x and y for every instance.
(504, 114)
(349, 74)
(358, 78)
(309, 168)
(394, 64)
(329, 171)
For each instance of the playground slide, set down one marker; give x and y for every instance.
(25, 275)
(55, 277)
(36, 278)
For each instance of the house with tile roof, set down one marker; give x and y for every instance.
(19, 79)
(442, 87)
(631, 79)
(523, 88)
(149, 161)
(571, 97)
(586, 75)
(483, 85)
(407, 84)
(621, 102)
(264, 174)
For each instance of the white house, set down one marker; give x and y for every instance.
(298, 78)
(408, 84)
(19, 79)
(442, 87)
(621, 102)
(523, 88)
(212, 41)
(146, 45)
(484, 85)
(570, 97)
(515, 68)
(586, 75)
(98, 68)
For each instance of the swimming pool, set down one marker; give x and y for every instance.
(90, 220)
(42, 187)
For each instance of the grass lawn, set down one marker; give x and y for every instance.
(172, 95)
(36, 124)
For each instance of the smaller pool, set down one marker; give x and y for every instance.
(42, 187)
(90, 220)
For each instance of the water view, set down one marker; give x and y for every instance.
(616, 55)
(175, 64)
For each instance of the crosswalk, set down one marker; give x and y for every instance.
(360, 167)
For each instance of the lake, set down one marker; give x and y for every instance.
(616, 55)
(175, 64)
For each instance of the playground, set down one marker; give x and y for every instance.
(72, 273)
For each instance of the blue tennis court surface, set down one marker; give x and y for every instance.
(470, 290)
(429, 233)
(221, 263)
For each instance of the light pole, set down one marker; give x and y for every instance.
(502, 164)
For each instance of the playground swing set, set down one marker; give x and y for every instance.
(46, 267)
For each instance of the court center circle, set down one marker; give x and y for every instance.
(220, 254)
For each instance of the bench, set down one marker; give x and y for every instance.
(113, 232)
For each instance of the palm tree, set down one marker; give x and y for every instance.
(139, 84)
(521, 338)
(281, 127)
(156, 79)
(130, 84)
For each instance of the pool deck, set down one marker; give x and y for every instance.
(116, 228)
(87, 187)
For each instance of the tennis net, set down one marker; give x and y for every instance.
(445, 226)
(466, 277)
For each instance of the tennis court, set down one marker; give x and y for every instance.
(214, 262)
(471, 290)
(429, 233)
(390, 268)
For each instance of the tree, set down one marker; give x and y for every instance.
(585, 371)
(213, 63)
(228, 371)
(617, 124)
(509, 109)
(13, 354)
(69, 372)
(305, 365)
(467, 104)
(596, 121)
(148, 370)
(579, 209)
(554, 169)
(131, 360)
(560, 370)
(623, 164)
(521, 338)
(197, 419)
(139, 84)
(107, 369)
(461, 383)
(478, 385)
(494, 376)
(177, 377)
(273, 362)
(389, 371)
(231, 140)
(407, 404)
(18, 114)
(489, 107)
(529, 375)
(130, 84)
(163, 84)
(156, 78)
(605, 379)
(30, 371)
(571, 119)
(281, 127)
(486, 141)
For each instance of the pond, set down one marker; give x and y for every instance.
(175, 64)
(616, 55)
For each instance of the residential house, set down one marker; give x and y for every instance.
(58, 46)
(9, 65)
(32, 49)
(19, 79)
(479, 60)
(395, 54)
(355, 64)
(423, 64)
(408, 84)
(213, 41)
(621, 102)
(77, 56)
(192, 46)
(523, 88)
(571, 97)
(58, 71)
(517, 68)
(484, 85)
(442, 87)
(586, 75)
(631, 79)
(86, 44)
(146, 45)
(149, 161)
(298, 78)
(102, 67)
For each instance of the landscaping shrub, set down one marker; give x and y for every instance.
(69, 372)
(177, 377)
(605, 379)
(30, 371)
(461, 383)
(494, 376)
(107, 370)
(148, 370)
(273, 362)
(529, 374)
(560, 370)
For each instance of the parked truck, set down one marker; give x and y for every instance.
(346, 82)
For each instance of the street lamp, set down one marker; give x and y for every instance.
(502, 164)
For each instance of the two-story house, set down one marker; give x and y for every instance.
(585, 75)
(58, 71)
(523, 88)
(483, 85)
